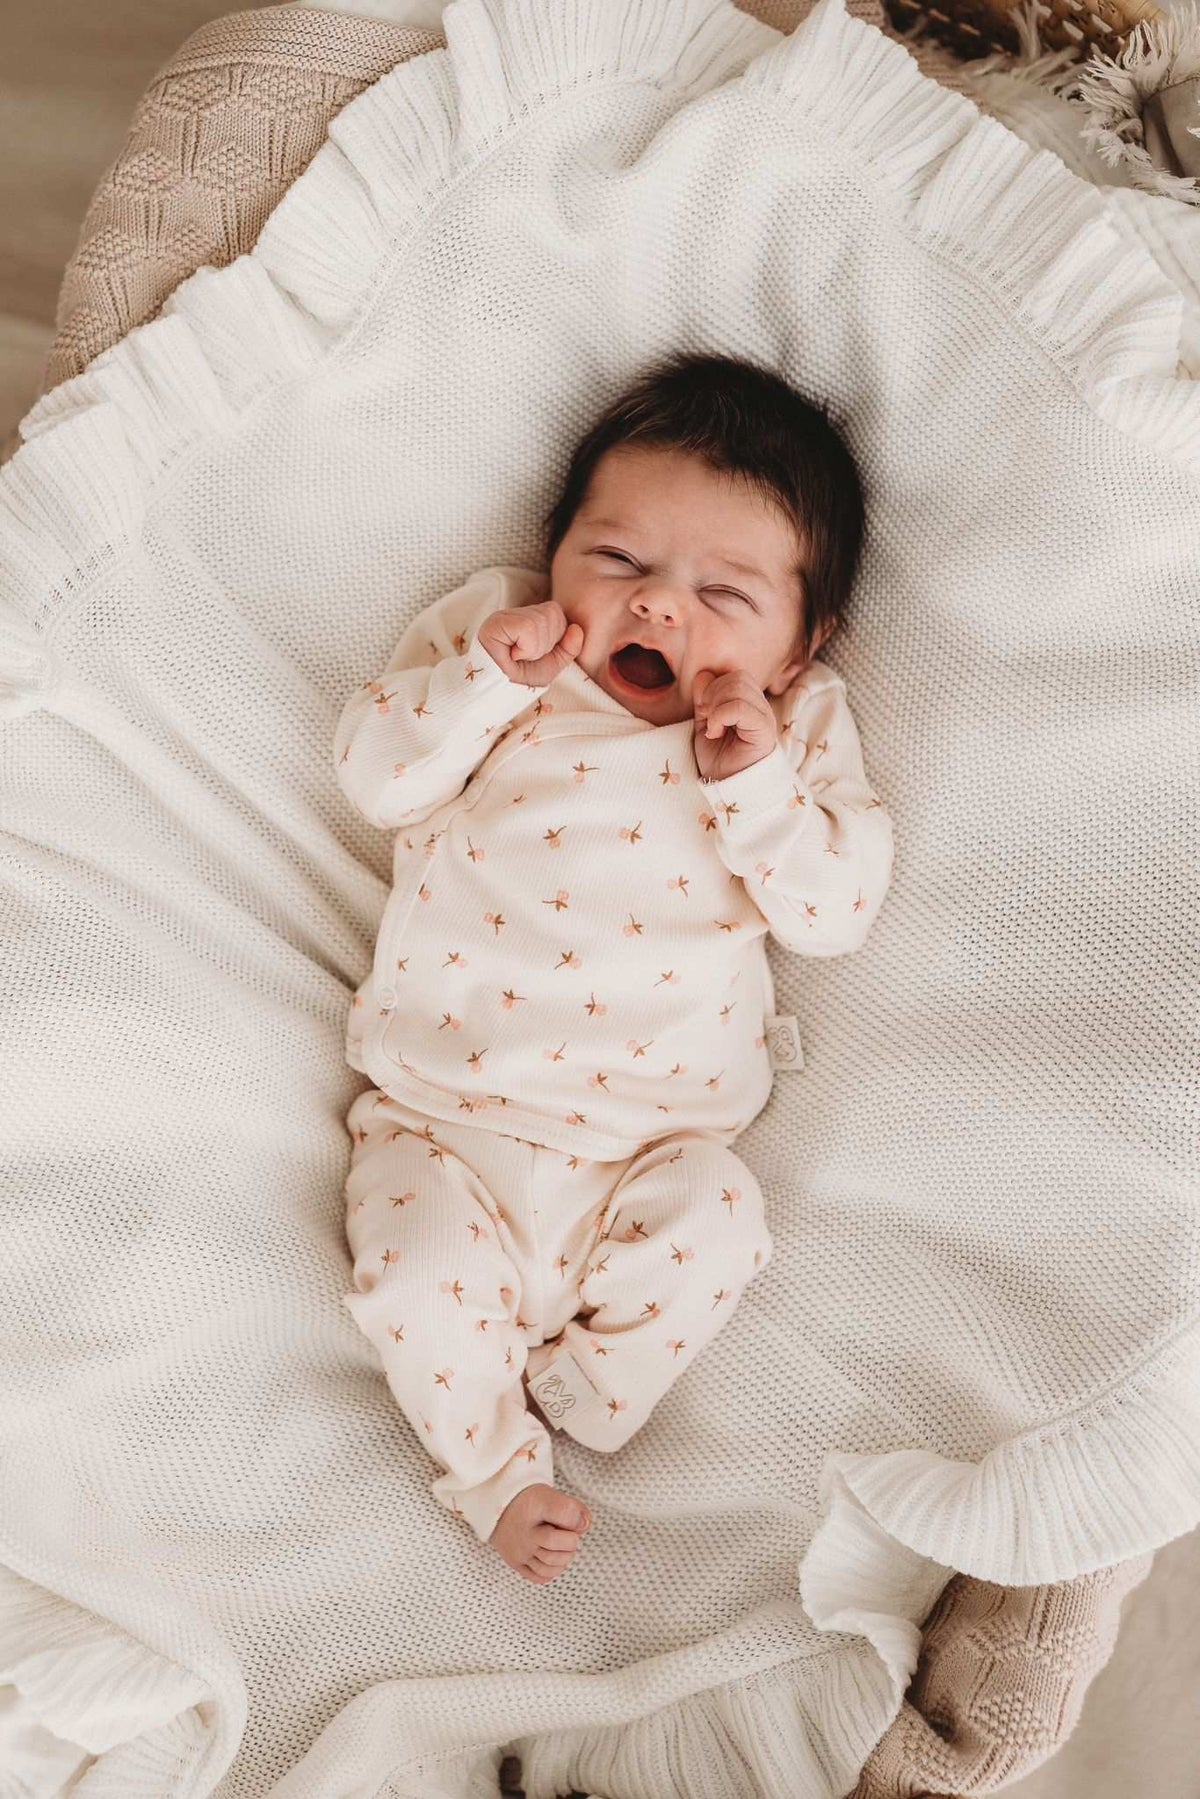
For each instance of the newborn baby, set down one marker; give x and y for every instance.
(607, 784)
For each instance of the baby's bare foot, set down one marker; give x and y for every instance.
(538, 1532)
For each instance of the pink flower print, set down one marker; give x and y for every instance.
(632, 833)
(481, 1324)
(593, 1007)
(473, 854)
(859, 903)
(402, 964)
(679, 1068)
(508, 1358)
(681, 881)
(761, 868)
(638, 1049)
(635, 1233)
(424, 1419)
(449, 1019)
(650, 1309)
(530, 736)
(435, 1147)
(455, 959)
(517, 799)
(470, 672)
(661, 1108)
(475, 1228)
(730, 1197)
(668, 978)
(555, 1055)
(475, 1059)
(509, 999)
(530, 1454)
(718, 1297)
(676, 1344)
(707, 819)
(583, 769)
(601, 1267)
(729, 808)
(542, 705)
(725, 1011)
(872, 803)
(496, 920)
(389, 1256)
(430, 844)
(728, 924)
(569, 959)
(633, 928)
(714, 1082)
(454, 1287)
(598, 1080)
(400, 768)
(470, 1434)
(809, 911)
(562, 1263)
(797, 799)
(681, 1255)
(823, 746)
(402, 1199)
(396, 1333)
(574, 1162)
(443, 1378)
(617, 1405)
(576, 1118)
(382, 699)
(459, 640)
(759, 1042)
(554, 837)
(424, 892)
(559, 902)
(422, 710)
(667, 776)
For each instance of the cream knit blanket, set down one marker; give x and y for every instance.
(977, 1350)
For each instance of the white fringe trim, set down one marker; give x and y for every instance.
(1110, 92)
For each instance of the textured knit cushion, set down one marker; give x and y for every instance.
(975, 1348)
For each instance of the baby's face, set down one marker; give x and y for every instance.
(647, 560)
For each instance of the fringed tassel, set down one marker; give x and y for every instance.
(1118, 95)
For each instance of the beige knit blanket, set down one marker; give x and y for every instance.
(223, 129)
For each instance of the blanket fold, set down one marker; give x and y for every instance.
(189, 652)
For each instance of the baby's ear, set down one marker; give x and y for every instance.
(785, 677)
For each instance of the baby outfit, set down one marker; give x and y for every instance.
(565, 1022)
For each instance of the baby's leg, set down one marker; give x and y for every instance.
(438, 1295)
(684, 1233)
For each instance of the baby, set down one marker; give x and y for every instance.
(607, 784)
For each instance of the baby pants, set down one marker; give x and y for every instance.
(483, 1260)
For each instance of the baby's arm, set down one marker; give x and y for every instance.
(408, 740)
(802, 827)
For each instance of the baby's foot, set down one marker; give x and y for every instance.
(538, 1532)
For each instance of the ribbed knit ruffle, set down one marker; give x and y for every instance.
(1034, 237)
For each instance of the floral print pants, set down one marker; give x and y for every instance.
(481, 1259)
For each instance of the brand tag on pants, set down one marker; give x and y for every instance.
(783, 1043)
(562, 1387)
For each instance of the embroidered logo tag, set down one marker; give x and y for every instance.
(783, 1043)
(561, 1385)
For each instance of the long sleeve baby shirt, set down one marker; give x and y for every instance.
(573, 951)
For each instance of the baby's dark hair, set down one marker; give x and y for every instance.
(749, 421)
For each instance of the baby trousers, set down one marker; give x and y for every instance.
(484, 1261)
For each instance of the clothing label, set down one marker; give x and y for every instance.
(783, 1043)
(560, 1386)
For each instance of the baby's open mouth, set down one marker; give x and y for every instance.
(641, 667)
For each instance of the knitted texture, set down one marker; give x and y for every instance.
(975, 1347)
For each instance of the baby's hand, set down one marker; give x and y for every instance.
(735, 726)
(532, 644)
